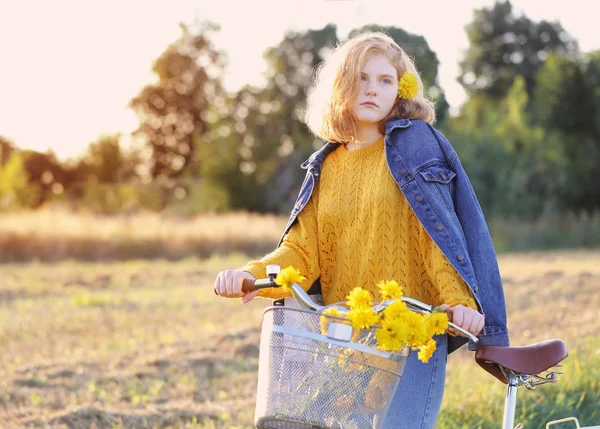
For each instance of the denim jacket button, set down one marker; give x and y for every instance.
(443, 176)
(440, 227)
(461, 258)
(420, 198)
(404, 171)
(476, 289)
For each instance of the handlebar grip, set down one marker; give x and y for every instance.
(248, 285)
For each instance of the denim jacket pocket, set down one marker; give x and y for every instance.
(439, 177)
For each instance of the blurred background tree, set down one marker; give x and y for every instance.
(175, 112)
(503, 46)
(528, 133)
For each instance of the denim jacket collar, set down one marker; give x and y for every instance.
(317, 158)
(397, 123)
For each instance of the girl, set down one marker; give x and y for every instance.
(387, 199)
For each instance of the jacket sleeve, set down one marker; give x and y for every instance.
(481, 251)
(299, 249)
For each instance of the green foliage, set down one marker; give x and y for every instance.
(567, 104)
(200, 196)
(176, 109)
(552, 231)
(13, 179)
(509, 162)
(503, 46)
(109, 199)
(528, 135)
(16, 191)
(106, 161)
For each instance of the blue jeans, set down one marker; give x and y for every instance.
(417, 401)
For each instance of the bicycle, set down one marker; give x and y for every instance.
(294, 355)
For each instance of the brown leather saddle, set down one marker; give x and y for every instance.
(529, 360)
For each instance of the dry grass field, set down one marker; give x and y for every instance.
(146, 344)
(55, 234)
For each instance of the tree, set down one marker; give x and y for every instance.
(106, 160)
(503, 46)
(13, 180)
(174, 112)
(567, 104)
(254, 150)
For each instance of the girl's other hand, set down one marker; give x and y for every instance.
(465, 317)
(228, 284)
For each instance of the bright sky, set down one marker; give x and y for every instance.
(69, 67)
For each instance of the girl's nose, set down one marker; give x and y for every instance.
(370, 89)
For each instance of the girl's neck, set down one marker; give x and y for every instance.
(366, 134)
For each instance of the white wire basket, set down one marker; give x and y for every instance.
(316, 372)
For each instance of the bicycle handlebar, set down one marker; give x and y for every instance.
(250, 285)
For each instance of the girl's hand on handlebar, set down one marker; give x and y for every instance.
(228, 284)
(467, 318)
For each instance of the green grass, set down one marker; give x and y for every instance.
(146, 344)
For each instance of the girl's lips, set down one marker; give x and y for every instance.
(369, 103)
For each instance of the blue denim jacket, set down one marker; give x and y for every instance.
(429, 174)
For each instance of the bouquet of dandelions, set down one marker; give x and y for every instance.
(395, 327)
(345, 385)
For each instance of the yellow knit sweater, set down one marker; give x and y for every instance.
(358, 229)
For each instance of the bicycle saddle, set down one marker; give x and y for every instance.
(530, 360)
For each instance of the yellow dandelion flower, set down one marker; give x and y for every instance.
(408, 86)
(437, 323)
(426, 351)
(390, 289)
(359, 298)
(417, 330)
(392, 335)
(362, 317)
(324, 320)
(287, 277)
(395, 310)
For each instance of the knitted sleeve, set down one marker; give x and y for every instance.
(299, 249)
(450, 286)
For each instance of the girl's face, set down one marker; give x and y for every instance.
(378, 90)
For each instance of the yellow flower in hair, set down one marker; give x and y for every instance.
(408, 86)
(287, 277)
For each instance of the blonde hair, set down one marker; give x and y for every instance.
(337, 84)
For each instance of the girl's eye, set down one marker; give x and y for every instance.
(363, 78)
(387, 81)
